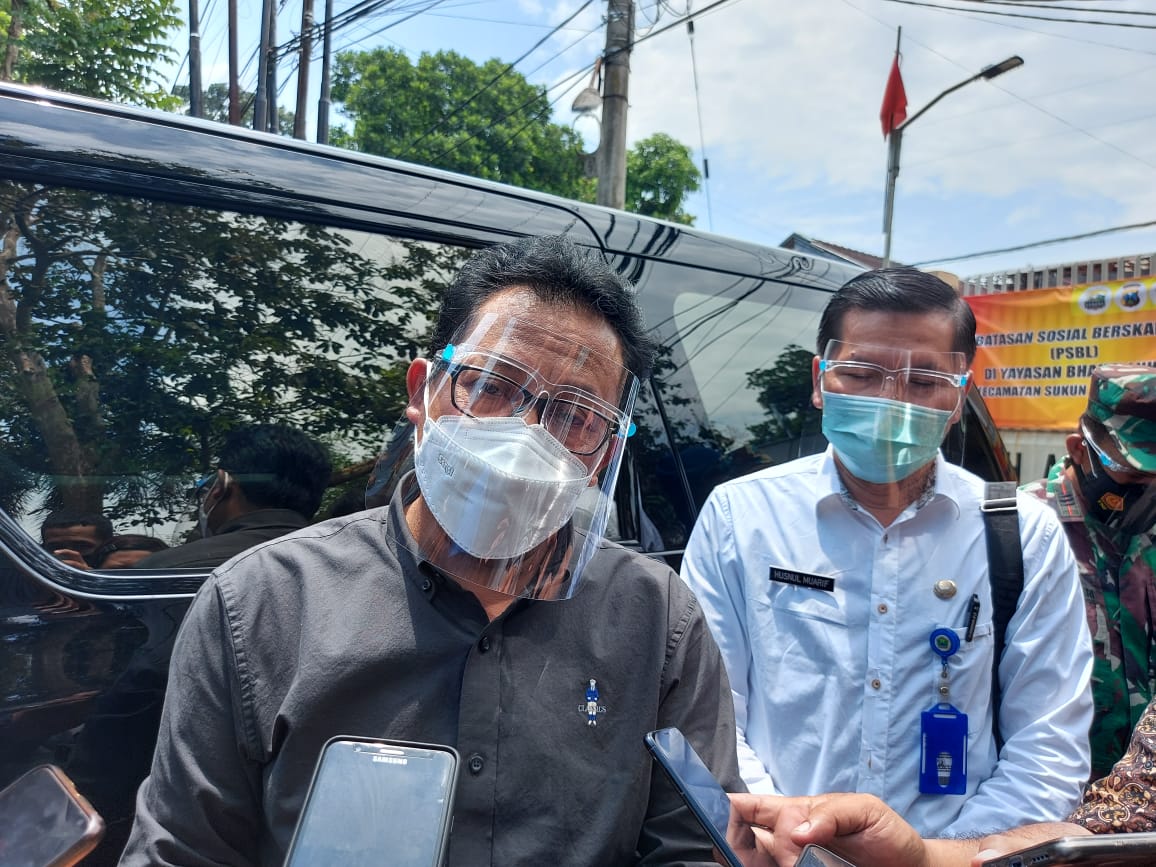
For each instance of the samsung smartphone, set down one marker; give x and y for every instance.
(375, 802)
(44, 821)
(1102, 850)
(701, 791)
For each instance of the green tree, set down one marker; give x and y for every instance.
(135, 332)
(102, 48)
(784, 391)
(449, 112)
(215, 106)
(659, 174)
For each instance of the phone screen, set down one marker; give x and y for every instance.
(377, 802)
(701, 791)
(44, 822)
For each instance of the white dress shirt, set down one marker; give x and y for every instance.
(829, 685)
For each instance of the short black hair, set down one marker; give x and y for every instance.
(277, 467)
(556, 271)
(899, 290)
(78, 518)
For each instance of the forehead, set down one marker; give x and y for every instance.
(921, 333)
(73, 531)
(561, 342)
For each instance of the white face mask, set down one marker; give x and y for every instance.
(497, 486)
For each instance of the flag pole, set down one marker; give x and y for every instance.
(894, 143)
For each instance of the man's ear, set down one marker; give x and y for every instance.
(1077, 448)
(415, 377)
(816, 390)
(958, 414)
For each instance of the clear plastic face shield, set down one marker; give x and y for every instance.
(887, 410)
(520, 427)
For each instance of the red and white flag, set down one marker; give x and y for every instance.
(894, 110)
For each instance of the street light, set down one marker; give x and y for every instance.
(896, 142)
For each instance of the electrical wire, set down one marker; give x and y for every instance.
(978, 11)
(698, 108)
(1049, 241)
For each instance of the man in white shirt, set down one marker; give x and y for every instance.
(850, 596)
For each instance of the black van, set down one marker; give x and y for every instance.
(162, 279)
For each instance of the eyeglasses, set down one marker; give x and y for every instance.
(201, 487)
(501, 389)
(934, 388)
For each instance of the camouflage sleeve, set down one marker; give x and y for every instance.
(1125, 800)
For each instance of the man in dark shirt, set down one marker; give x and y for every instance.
(268, 482)
(440, 617)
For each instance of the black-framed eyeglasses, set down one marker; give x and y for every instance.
(578, 420)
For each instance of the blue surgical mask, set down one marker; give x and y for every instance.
(880, 440)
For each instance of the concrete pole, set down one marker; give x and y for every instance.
(616, 66)
(196, 104)
(303, 68)
(234, 68)
(326, 60)
(260, 100)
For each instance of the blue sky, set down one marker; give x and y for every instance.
(790, 92)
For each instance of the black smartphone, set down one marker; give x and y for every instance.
(374, 802)
(45, 822)
(1101, 850)
(704, 795)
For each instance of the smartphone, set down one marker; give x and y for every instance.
(702, 792)
(1103, 850)
(374, 802)
(45, 822)
(817, 856)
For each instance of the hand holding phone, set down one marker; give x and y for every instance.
(45, 822)
(374, 802)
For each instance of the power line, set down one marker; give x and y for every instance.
(1025, 15)
(1019, 247)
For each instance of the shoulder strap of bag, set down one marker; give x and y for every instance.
(1005, 558)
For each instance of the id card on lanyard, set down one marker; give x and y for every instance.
(943, 731)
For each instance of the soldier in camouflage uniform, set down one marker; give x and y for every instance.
(1105, 494)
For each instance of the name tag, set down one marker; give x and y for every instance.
(802, 579)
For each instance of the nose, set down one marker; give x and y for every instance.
(890, 387)
(533, 413)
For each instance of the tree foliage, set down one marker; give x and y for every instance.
(784, 391)
(660, 173)
(215, 106)
(135, 333)
(102, 48)
(449, 112)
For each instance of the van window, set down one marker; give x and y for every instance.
(140, 331)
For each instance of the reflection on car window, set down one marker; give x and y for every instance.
(141, 332)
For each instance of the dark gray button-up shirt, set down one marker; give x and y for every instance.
(337, 629)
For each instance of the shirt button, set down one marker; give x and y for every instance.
(882, 609)
(484, 644)
(426, 586)
(876, 684)
(476, 763)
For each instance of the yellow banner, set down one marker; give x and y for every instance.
(1037, 348)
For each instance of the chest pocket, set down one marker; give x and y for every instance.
(784, 600)
(970, 674)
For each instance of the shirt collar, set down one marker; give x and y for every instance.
(942, 485)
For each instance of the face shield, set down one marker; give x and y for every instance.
(519, 426)
(887, 410)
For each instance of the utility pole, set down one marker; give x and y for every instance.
(196, 105)
(234, 89)
(326, 59)
(271, 124)
(260, 101)
(616, 63)
(303, 68)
